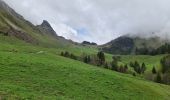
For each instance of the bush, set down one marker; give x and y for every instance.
(68, 55)
(101, 58)
(106, 65)
(131, 64)
(126, 68)
(158, 78)
(154, 70)
(87, 59)
(62, 54)
(137, 67)
(134, 74)
(72, 56)
(143, 68)
(114, 65)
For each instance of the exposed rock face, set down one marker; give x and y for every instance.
(21, 35)
(46, 28)
(10, 18)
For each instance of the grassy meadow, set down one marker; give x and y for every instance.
(30, 72)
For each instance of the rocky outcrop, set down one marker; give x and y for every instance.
(46, 28)
(21, 35)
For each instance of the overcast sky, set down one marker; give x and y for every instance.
(98, 20)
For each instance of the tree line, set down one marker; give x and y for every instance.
(140, 69)
(100, 60)
(164, 49)
(163, 75)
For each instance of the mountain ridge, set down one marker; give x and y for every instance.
(127, 44)
(43, 35)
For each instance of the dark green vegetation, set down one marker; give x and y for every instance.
(165, 69)
(31, 67)
(134, 68)
(164, 49)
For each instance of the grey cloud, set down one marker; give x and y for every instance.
(103, 19)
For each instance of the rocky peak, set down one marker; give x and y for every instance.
(45, 27)
(46, 24)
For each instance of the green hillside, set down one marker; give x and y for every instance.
(27, 73)
(35, 75)
(31, 67)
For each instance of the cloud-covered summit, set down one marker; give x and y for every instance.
(98, 20)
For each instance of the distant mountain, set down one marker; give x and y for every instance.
(88, 43)
(127, 44)
(13, 24)
(121, 45)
